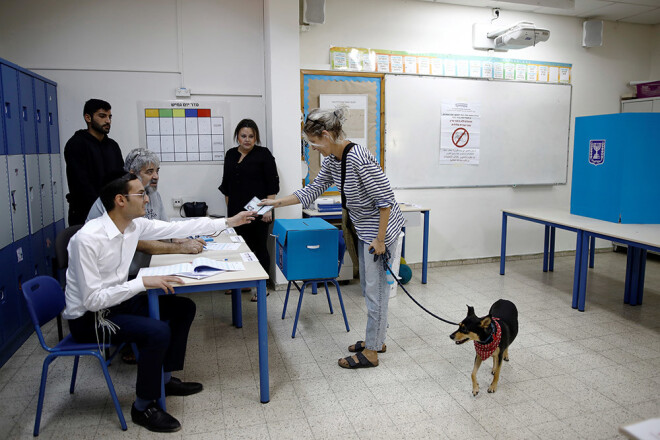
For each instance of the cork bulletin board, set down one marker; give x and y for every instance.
(369, 85)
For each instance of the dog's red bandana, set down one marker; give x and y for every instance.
(486, 350)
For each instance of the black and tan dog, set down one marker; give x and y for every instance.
(492, 335)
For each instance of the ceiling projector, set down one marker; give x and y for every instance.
(518, 36)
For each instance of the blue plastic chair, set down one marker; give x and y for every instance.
(45, 301)
(314, 283)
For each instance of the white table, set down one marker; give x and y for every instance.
(253, 276)
(639, 237)
(336, 215)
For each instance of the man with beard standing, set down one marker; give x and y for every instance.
(91, 156)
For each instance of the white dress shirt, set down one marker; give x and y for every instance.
(100, 256)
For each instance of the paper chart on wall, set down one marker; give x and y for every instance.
(184, 131)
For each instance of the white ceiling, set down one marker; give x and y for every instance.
(628, 11)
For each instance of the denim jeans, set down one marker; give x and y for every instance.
(376, 293)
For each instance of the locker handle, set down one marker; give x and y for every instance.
(13, 200)
(50, 118)
(25, 112)
(2, 295)
(316, 246)
(38, 116)
(8, 110)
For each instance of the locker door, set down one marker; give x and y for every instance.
(10, 108)
(57, 186)
(3, 145)
(53, 121)
(24, 269)
(46, 189)
(33, 191)
(27, 114)
(41, 116)
(18, 196)
(5, 213)
(6, 307)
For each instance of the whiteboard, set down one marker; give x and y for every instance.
(524, 132)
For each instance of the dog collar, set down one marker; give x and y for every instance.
(486, 349)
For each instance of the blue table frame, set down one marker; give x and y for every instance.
(237, 320)
(584, 255)
(336, 215)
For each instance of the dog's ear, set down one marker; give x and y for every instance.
(485, 322)
(470, 310)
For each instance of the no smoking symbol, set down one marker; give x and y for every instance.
(460, 137)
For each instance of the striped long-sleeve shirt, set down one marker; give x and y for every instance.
(366, 188)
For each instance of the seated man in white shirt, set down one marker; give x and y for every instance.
(101, 303)
(146, 165)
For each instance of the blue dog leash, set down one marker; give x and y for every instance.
(385, 258)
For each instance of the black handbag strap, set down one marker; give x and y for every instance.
(347, 148)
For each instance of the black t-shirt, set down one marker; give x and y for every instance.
(89, 162)
(255, 176)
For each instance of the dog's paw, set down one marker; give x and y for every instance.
(492, 388)
(492, 372)
(475, 392)
(506, 359)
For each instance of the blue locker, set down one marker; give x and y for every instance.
(16, 324)
(41, 263)
(53, 121)
(45, 189)
(41, 118)
(11, 109)
(18, 196)
(57, 186)
(5, 212)
(27, 112)
(3, 144)
(33, 191)
(6, 309)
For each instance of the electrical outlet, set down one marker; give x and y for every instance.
(177, 202)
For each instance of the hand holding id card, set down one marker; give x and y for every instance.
(253, 206)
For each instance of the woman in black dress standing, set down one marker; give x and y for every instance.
(249, 172)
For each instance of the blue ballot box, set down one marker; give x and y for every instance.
(307, 248)
(616, 160)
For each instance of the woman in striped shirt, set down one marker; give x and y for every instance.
(373, 211)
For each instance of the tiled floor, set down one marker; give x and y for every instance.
(572, 375)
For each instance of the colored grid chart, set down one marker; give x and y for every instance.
(185, 135)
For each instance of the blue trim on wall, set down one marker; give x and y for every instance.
(306, 109)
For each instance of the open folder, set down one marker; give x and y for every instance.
(199, 268)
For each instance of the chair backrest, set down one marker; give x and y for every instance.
(44, 298)
(61, 243)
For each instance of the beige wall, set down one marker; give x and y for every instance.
(465, 223)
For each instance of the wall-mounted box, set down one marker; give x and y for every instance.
(307, 248)
(616, 163)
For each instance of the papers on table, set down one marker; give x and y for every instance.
(222, 246)
(228, 231)
(237, 239)
(199, 268)
(249, 256)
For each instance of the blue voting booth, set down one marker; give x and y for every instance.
(306, 248)
(615, 167)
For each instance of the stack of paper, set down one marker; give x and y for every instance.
(199, 268)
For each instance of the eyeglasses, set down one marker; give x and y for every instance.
(142, 194)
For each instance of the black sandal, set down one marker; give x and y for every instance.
(359, 346)
(362, 361)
